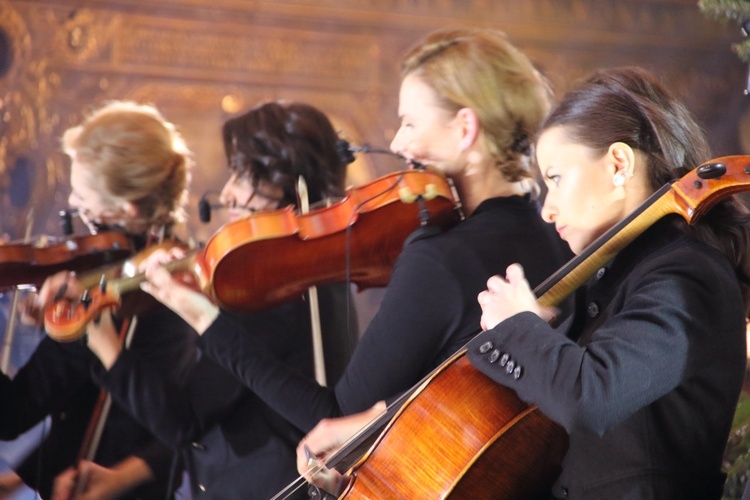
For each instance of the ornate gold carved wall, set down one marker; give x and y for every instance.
(201, 60)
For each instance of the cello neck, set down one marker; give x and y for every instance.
(690, 197)
(575, 273)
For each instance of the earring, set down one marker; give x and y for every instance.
(618, 180)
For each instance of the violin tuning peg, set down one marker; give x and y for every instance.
(86, 298)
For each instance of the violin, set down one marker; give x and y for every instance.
(32, 263)
(65, 320)
(268, 258)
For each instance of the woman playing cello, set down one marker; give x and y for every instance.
(645, 375)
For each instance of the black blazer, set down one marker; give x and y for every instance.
(62, 380)
(645, 377)
(234, 445)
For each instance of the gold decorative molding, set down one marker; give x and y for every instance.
(200, 61)
(29, 120)
(134, 44)
(85, 36)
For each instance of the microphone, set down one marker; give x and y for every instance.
(204, 207)
(66, 220)
(346, 152)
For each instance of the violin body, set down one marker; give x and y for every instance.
(30, 264)
(271, 257)
(488, 444)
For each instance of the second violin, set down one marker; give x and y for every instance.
(268, 258)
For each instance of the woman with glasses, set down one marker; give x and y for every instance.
(234, 445)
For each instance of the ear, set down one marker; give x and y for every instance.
(622, 159)
(129, 209)
(468, 127)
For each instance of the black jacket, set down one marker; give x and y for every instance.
(233, 444)
(429, 311)
(645, 377)
(62, 380)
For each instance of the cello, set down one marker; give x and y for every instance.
(458, 434)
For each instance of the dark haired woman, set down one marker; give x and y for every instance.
(235, 445)
(645, 376)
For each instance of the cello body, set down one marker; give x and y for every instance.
(489, 443)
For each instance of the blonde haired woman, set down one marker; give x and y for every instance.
(129, 172)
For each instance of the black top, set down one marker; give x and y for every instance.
(648, 392)
(429, 311)
(61, 380)
(234, 445)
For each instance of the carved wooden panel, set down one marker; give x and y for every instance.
(200, 61)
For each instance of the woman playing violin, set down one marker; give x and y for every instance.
(478, 138)
(234, 445)
(129, 171)
(646, 374)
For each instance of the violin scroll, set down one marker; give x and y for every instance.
(66, 321)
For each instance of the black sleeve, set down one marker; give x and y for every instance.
(177, 412)
(639, 354)
(163, 461)
(403, 338)
(43, 385)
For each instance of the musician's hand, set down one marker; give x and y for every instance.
(9, 483)
(509, 296)
(327, 437)
(103, 339)
(94, 482)
(89, 482)
(192, 306)
(60, 285)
